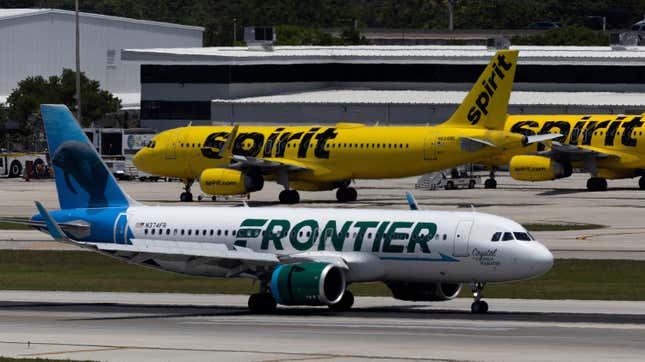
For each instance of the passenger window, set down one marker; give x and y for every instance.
(225, 232)
(507, 237)
(167, 231)
(152, 231)
(444, 236)
(369, 235)
(182, 231)
(145, 231)
(233, 233)
(174, 231)
(522, 236)
(204, 232)
(219, 232)
(496, 236)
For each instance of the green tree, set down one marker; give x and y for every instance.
(24, 102)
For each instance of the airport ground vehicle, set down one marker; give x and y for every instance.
(117, 146)
(17, 163)
(455, 178)
(228, 160)
(299, 256)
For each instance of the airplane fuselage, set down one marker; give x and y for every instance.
(332, 153)
(419, 246)
(618, 135)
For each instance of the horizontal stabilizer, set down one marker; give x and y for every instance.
(471, 144)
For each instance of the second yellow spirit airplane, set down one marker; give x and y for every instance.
(230, 160)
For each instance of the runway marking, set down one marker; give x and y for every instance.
(100, 348)
(76, 351)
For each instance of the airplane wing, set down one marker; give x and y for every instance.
(565, 152)
(267, 164)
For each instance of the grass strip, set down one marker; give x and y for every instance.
(562, 227)
(11, 226)
(83, 271)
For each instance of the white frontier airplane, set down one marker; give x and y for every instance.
(299, 256)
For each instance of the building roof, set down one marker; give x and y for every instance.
(414, 97)
(574, 55)
(6, 14)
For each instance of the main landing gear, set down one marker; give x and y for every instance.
(345, 303)
(186, 196)
(599, 184)
(346, 194)
(479, 306)
(490, 182)
(289, 197)
(262, 302)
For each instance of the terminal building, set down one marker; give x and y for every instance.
(369, 84)
(42, 42)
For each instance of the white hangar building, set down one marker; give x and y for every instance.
(42, 42)
(388, 84)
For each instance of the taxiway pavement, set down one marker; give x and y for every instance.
(186, 327)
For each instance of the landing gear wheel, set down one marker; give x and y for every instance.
(346, 194)
(186, 196)
(479, 307)
(490, 183)
(641, 182)
(289, 197)
(597, 184)
(200, 198)
(262, 303)
(345, 303)
(471, 184)
(213, 198)
(450, 185)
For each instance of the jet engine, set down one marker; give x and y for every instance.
(538, 168)
(224, 181)
(308, 284)
(432, 292)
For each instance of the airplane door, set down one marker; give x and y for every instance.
(121, 229)
(461, 238)
(171, 149)
(430, 146)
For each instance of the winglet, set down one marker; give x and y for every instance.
(411, 201)
(53, 228)
(542, 137)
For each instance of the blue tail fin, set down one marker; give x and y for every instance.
(82, 179)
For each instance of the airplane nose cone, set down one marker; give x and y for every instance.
(542, 260)
(138, 159)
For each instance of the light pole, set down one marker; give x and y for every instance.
(78, 67)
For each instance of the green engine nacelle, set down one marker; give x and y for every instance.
(307, 284)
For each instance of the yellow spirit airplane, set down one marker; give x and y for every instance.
(230, 160)
(606, 146)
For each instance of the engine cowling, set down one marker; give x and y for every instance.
(426, 292)
(538, 168)
(223, 181)
(308, 284)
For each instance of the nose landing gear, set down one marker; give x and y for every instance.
(186, 196)
(479, 306)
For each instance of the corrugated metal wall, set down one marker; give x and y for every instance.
(43, 44)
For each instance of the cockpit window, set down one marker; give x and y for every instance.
(496, 236)
(507, 237)
(151, 144)
(522, 236)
